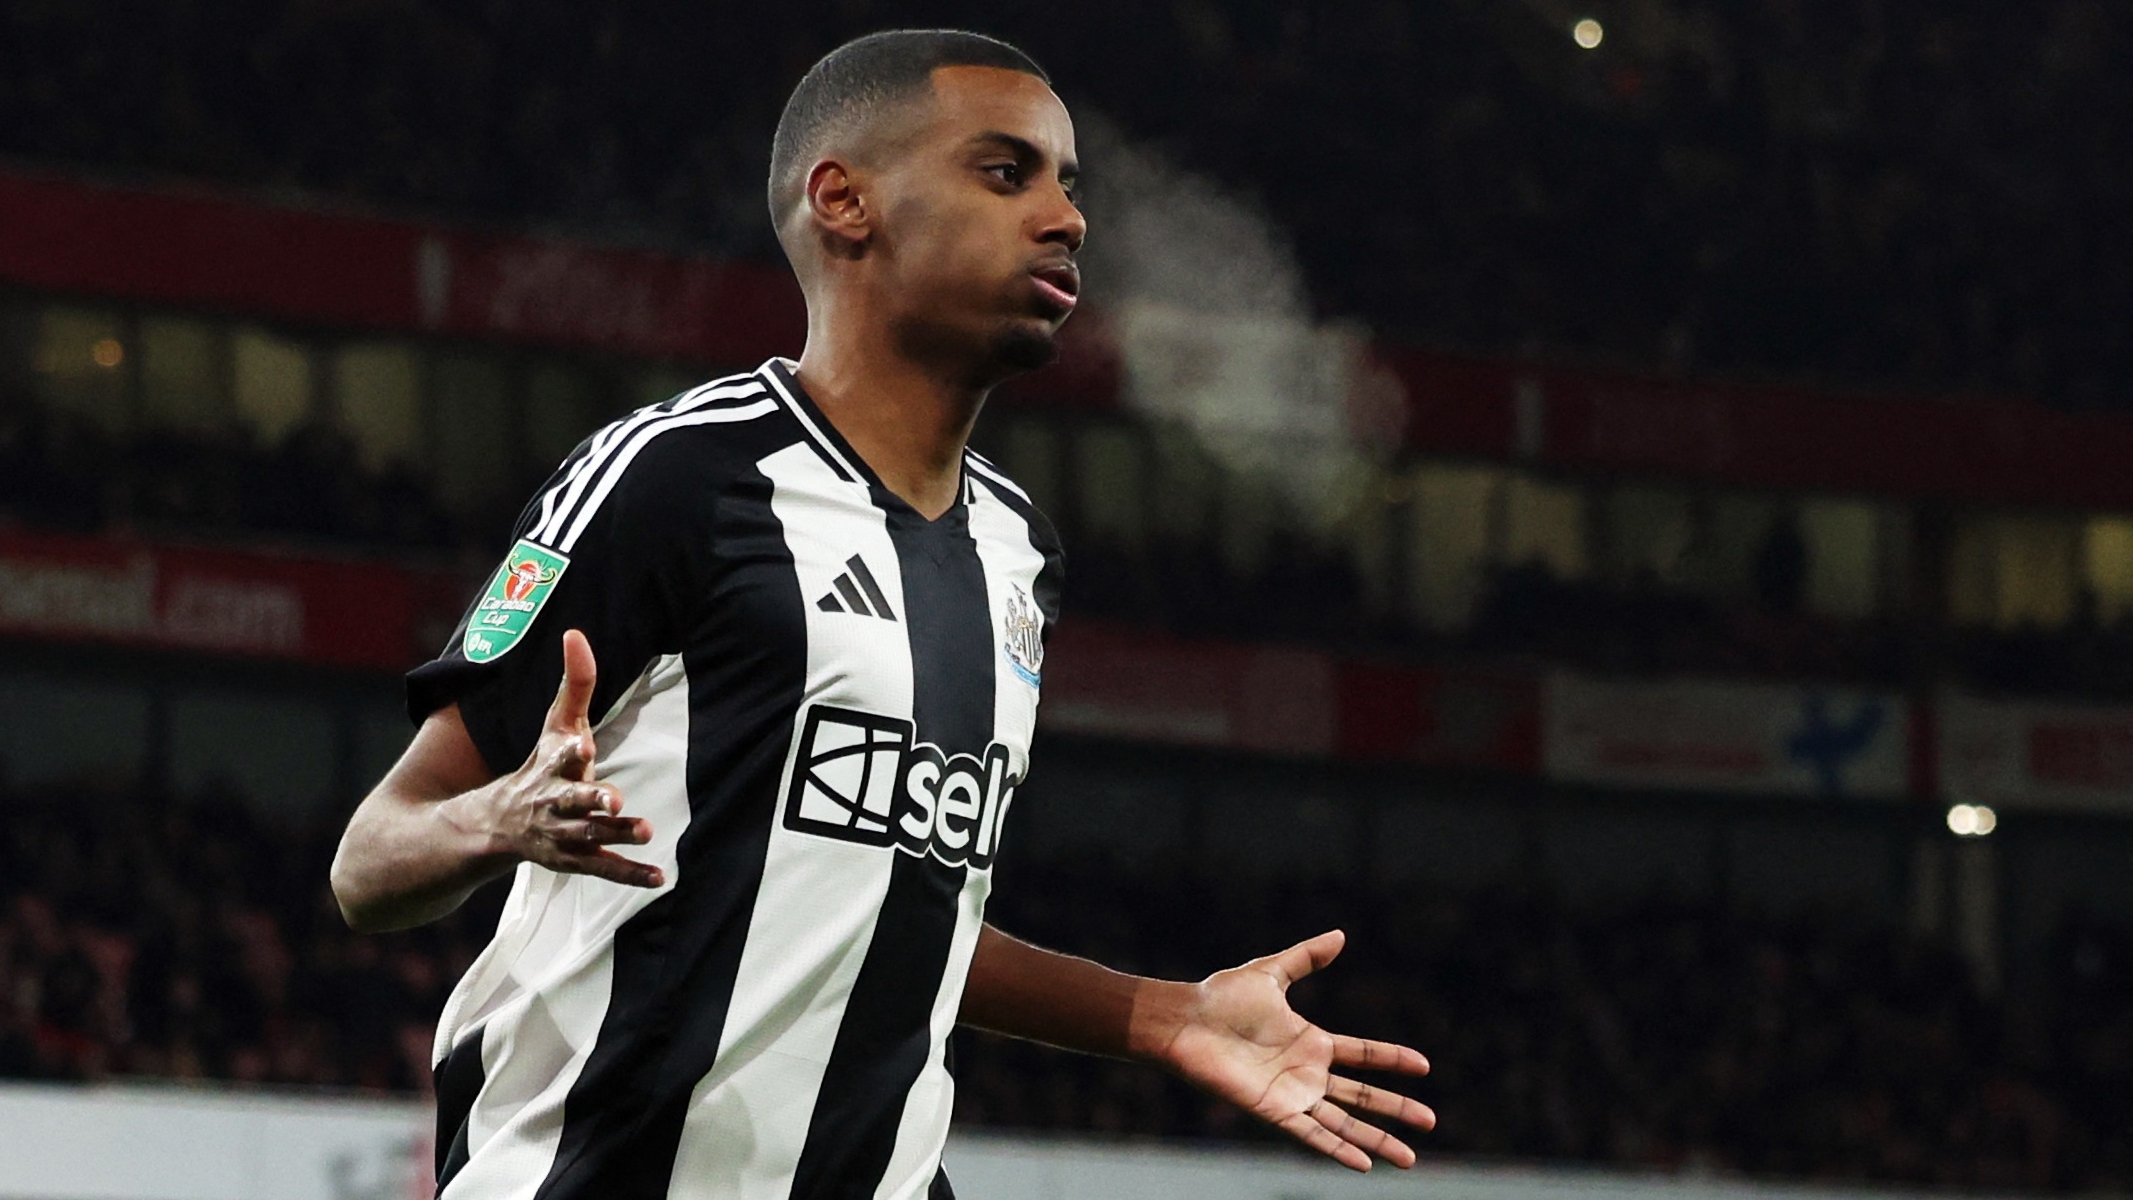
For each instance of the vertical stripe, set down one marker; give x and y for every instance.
(1004, 547)
(922, 1121)
(545, 1019)
(533, 1051)
(677, 962)
(887, 1039)
(458, 1081)
(1012, 560)
(816, 914)
(487, 982)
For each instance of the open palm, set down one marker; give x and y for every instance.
(1247, 1046)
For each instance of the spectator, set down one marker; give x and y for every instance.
(1887, 194)
(192, 941)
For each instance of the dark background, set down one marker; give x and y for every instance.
(1878, 201)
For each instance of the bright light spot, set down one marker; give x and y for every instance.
(1587, 33)
(1972, 820)
(107, 353)
(1987, 820)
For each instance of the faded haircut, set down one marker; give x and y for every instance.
(854, 82)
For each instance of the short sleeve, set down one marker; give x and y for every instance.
(621, 555)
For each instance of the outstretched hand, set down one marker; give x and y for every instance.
(1245, 1045)
(552, 811)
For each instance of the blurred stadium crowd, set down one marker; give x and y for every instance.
(62, 471)
(191, 941)
(188, 940)
(1895, 191)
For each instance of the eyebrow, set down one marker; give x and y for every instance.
(1026, 150)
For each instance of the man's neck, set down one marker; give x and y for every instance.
(905, 419)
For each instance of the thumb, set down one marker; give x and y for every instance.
(573, 700)
(1305, 957)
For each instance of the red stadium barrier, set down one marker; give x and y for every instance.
(1106, 680)
(2017, 754)
(200, 248)
(213, 250)
(567, 294)
(1984, 449)
(1112, 681)
(1766, 739)
(333, 613)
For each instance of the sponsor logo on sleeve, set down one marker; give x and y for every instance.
(503, 614)
(859, 778)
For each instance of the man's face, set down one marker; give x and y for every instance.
(976, 227)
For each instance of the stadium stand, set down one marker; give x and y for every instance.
(61, 471)
(1889, 193)
(189, 939)
(1901, 197)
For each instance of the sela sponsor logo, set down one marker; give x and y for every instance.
(522, 584)
(1022, 639)
(859, 778)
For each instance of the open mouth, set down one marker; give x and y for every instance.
(1060, 284)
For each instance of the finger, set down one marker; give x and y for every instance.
(566, 755)
(1306, 1129)
(1362, 1135)
(573, 699)
(1305, 957)
(1366, 1055)
(1384, 1103)
(614, 868)
(586, 800)
(594, 832)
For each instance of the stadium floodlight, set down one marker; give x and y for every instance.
(1587, 33)
(1972, 820)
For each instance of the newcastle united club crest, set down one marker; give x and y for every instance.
(1023, 642)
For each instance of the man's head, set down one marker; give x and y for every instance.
(925, 178)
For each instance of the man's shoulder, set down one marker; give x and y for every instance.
(709, 430)
(665, 460)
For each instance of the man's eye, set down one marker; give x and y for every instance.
(1008, 172)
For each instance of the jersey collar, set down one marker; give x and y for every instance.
(782, 374)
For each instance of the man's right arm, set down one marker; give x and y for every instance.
(440, 824)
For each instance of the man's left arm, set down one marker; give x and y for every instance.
(1232, 1035)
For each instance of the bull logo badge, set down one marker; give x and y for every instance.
(524, 576)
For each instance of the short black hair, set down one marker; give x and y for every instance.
(865, 73)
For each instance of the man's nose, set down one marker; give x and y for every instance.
(1065, 224)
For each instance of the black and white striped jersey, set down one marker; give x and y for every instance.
(823, 704)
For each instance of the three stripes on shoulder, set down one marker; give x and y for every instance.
(569, 505)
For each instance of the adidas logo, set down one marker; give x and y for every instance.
(854, 591)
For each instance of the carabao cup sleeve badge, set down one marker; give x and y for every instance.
(503, 614)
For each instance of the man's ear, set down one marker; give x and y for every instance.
(838, 210)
